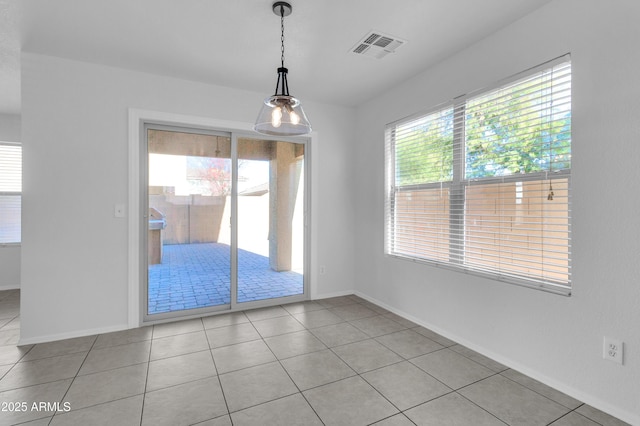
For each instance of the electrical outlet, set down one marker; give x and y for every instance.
(613, 350)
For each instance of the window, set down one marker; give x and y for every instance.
(10, 192)
(482, 184)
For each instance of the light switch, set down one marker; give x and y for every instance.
(118, 210)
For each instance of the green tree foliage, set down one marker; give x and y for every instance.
(424, 150)
(517, 130)
(522, 128)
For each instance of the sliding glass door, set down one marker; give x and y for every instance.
(188, 239)
(270, 219)
(224, 224)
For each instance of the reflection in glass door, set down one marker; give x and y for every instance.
(189, 238)
(270, 210)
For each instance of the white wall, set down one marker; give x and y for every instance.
(10, 128)
(75, 147)
(9, 254)
(553, 338)
(10, 266)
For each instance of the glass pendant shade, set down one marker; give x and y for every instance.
(282, 115)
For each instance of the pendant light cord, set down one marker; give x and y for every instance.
(282, 87)
(282, 35)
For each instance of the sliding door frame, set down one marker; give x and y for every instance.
(144, 240)
(235, 306)
(139, 121)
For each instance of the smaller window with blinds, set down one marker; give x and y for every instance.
(482, 184)
(10, 192)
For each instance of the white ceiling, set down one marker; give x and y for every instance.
(236, 43)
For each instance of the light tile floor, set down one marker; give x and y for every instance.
(340, 361)
(198, 275)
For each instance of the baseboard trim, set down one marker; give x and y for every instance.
(90, 332)
(334, 294)
(560, 386)
(9, 287)
(71, 335)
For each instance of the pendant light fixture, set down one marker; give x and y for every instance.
(282, 114)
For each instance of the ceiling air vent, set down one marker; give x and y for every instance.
(377, 45)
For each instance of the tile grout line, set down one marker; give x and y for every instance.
(11, 345)
(283, 369)
(499, 374)
(76, 375)
(146, 379)
(215, 366)
(329, 308)
(403, 359)
(538, 393)
(575, 410)
(482, 408)
(289, 375)
(360, 375)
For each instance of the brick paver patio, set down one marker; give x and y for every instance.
(198, 275)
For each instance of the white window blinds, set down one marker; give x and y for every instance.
(482, 184)
(10, 192)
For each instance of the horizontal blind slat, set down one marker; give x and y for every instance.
(10, 193)
(503, 228)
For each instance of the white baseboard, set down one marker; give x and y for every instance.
(70, 335)
(582, 396)
(9, 287)
(334, 294)
(90, 332)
